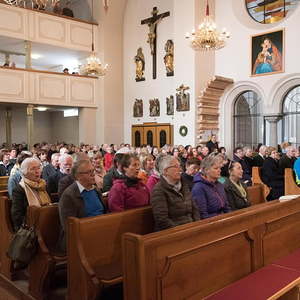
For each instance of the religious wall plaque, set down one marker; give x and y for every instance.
(138, 108)
(170, 105)
(182, 98)
(154, 107)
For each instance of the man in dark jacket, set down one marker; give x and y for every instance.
(65, 166)
(259, 159)
(114, 173)
(213, 145)
(238, 155)
(288, 159)
(80, 199)
(52, 168)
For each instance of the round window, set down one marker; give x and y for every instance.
(270, 11)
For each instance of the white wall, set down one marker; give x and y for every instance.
(174, 27)
(64, 129)
(234, 61)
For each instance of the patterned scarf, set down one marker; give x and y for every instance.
(35, 192)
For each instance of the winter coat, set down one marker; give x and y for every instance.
(234, 197)
(210, 197)
(122, 197)
(171, 208)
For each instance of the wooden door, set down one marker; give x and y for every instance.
(150, 135)
(164, 135)
(137, 135)
(153, 134)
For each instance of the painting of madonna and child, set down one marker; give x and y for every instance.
(267, 53)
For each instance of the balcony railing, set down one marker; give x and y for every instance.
(47, 88)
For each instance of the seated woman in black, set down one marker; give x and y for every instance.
(235, 189)
(272, 176)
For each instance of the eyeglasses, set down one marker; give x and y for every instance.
(90, 172)
(174, 166)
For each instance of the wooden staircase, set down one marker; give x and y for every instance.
(208, 108)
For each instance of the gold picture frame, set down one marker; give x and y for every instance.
(267, 53)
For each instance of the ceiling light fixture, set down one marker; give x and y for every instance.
(207, 37)
(93, 65)
(41, 108)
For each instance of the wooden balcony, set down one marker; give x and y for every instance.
(47, 88)
(47, 28)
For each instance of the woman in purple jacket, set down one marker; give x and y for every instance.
(129, 192)
(208, 193)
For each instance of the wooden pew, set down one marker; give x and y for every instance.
(194, 260)
(94, 250)
(3, 182)
(6, 234)
(42, 268)
(290, 186)
(256, 194)
(256, 179)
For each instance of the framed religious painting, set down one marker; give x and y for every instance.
(267, 53)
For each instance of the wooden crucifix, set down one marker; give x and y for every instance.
(152, 23)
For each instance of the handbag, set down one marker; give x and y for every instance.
(23, 246)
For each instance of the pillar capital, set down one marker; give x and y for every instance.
(273, 118)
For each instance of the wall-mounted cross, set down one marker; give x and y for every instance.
(152, 23)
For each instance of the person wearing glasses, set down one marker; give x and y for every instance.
(235, 189)
(128, 192)
(81, 199)
(208, 192)
(171, 199)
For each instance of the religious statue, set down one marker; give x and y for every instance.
(170, 105)
(182, 98)
(154, 107)
(169, 58)
(138, 108)
(139, 60)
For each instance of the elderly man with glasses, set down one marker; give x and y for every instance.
(81, 199)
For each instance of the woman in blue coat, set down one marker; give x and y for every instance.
(208, 193)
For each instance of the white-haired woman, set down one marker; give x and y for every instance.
(31, 191)
(171, 198)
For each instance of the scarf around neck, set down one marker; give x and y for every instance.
(35, 192)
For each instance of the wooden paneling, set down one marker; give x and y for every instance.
(45, 28)
(20, 85)
(194, 260)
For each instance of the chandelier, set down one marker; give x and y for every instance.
(207, 37)
(93, 65)
(38, 4)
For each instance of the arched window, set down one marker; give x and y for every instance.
(248, 122)
(291, 116)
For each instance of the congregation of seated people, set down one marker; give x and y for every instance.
(181, 184)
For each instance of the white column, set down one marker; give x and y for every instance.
(273, 120)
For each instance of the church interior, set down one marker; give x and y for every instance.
(120, 92)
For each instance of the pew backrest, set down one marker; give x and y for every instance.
(6, 234)
(94, 247)
(256, 194)
(3, 182)
(256, 179)
(290, 186)
(191, 262)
